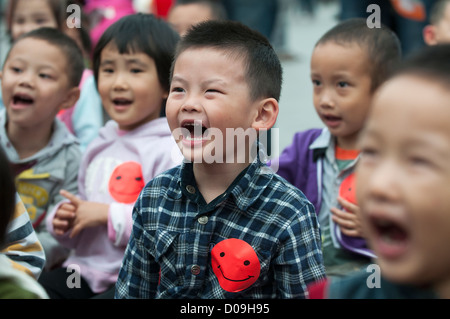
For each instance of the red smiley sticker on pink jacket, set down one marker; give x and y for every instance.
(235, 264)
(126, 182)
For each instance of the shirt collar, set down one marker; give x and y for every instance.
(245, 189)
(320, 145)
(323, 140)
(249, 187)
(324, 146)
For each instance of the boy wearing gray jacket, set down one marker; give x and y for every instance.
(40, 77)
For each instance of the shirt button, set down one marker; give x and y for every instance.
(203, 220)
(190, 189)
(195, 270)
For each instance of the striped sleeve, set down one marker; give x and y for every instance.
(22, 246)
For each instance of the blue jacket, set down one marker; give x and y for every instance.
(360, 285)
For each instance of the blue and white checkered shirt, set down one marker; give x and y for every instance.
(175, 230)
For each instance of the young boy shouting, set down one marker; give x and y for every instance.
(403, 185)
(40, 77)
(227, 227)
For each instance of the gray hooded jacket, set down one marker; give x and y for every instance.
(40, 177)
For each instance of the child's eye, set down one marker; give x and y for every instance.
(343, 84)
(16, 69)
(107, 70)
(45, 76)
(19, 21)
(136, 70)
(419, 161)
(368, 153)
(177, 90)
(212, 91)
(316, 82)
(41, 21)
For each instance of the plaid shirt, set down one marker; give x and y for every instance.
(175, 231)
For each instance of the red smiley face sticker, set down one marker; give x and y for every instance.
(347, 189)
(126, 182)
(235, 264)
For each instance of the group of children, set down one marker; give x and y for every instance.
(144, 213)
(90, 191)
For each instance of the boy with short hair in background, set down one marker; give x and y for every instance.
(39, 78)
(348, 63)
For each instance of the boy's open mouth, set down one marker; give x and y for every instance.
(331, 120)
(392, 238)
(194, 130)
(22, 99)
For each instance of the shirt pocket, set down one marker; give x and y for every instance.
(169, 253)
(265, 257)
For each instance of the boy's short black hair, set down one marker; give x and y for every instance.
(7, 195)
(382, 46)
(144, 33)
(69, 48)
(263, 68)
(431, 62)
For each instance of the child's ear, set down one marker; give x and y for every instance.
(267, 114)
(72, 97)
(0, 75)
(429, 34)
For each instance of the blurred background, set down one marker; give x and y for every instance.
(293, 26)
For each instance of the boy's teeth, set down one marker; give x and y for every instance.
(194, 125)
(190, 138)
(387, 238)
(195, 129)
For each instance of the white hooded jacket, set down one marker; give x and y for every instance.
(113, 171)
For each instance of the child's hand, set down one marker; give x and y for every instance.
(63, 219)
(87, 214)
(349, 220)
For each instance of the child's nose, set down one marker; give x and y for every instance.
(120, 83)
(382, 183)
(26, 79)
(326, 99)
(192, 104)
